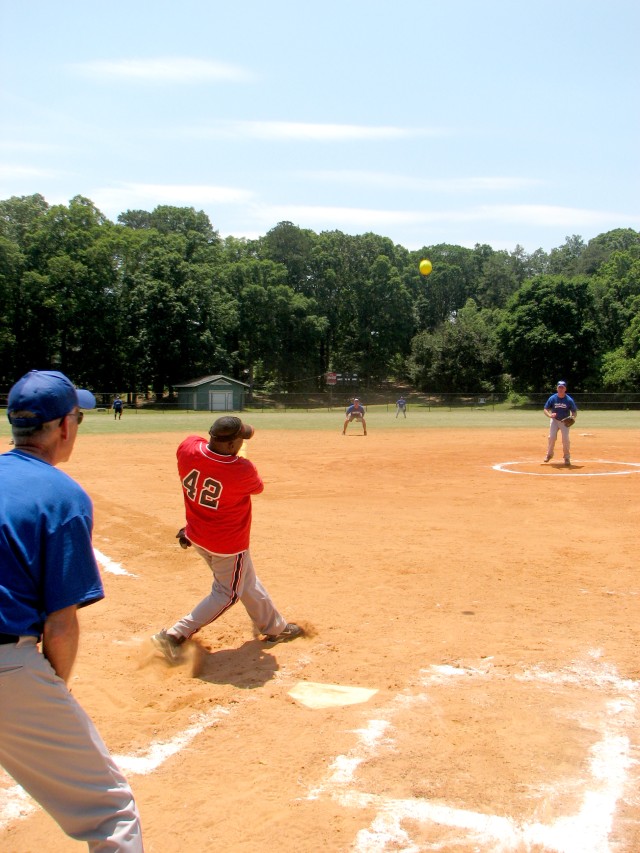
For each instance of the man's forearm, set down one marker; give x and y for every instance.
(60, 641)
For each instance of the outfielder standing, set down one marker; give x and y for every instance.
(47, 571)
(354, 412)
(558, 407)
(117, 407)
(401, 406)
(217, 485)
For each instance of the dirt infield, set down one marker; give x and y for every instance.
(490, 601)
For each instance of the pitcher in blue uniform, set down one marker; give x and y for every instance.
(559, 406)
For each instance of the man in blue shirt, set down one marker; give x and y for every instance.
(558, 407)
(47, 571)
(355, 412)
(117, 407)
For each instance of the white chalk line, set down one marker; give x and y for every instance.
(150, 759)
(16, 804)
(110, 565)
(567, 472)
(588, 831)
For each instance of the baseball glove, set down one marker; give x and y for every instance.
(568, 421)
(181, 536)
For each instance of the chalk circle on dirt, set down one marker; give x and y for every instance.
(588, 468)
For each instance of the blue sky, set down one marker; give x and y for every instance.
(458, 121)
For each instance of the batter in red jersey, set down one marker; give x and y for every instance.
(217, 485)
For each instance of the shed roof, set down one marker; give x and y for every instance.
(204, 380)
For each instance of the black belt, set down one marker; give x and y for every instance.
(8, 638)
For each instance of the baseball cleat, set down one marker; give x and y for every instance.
(567, 461)
(546, 459)
(168, 645)
(291, 631)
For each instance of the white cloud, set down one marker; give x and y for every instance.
(112, 200)
(335, 217)
(9, 172)
(165, 70)
(553, 215)
(389, 180)
(371, 219)
(302, 131)
(320, 132)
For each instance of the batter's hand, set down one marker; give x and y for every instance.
(181, 536)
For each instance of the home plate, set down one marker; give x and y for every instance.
(315, 695)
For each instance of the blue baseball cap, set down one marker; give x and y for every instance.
(44, 395)
(561, 383)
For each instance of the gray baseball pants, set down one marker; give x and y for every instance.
(52, 749)
(234, 579)
(554, 427)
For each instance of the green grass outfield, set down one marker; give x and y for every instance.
(378, 417)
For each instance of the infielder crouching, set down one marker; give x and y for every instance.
(354, 412)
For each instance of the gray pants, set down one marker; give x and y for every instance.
(50, 747)
(234, 579)
(556, 426)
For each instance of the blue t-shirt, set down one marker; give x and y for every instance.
(47, 561)
(562, 406)
(355, 409)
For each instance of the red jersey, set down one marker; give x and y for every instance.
(217, 496)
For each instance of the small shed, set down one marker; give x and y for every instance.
(216, 393)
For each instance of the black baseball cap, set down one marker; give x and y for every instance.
(229, 428)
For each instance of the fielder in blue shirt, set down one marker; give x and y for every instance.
(558, 407)
(355, 412)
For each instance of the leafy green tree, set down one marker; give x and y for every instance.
(279, 330)
(454, 279)
(291, 246)
(460, 356)
(443, 293)
(360, 287)
(11, 270)
(178, 320)
(621, 367)
(498, 279)
(600, 249)
(20, 217)
(549, 330)
(136, 219)
(381, 323)
(565, 260)
(615, 288)
(248, 280)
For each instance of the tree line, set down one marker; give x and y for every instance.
(159, 298)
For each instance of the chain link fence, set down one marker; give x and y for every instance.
(333, 399)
